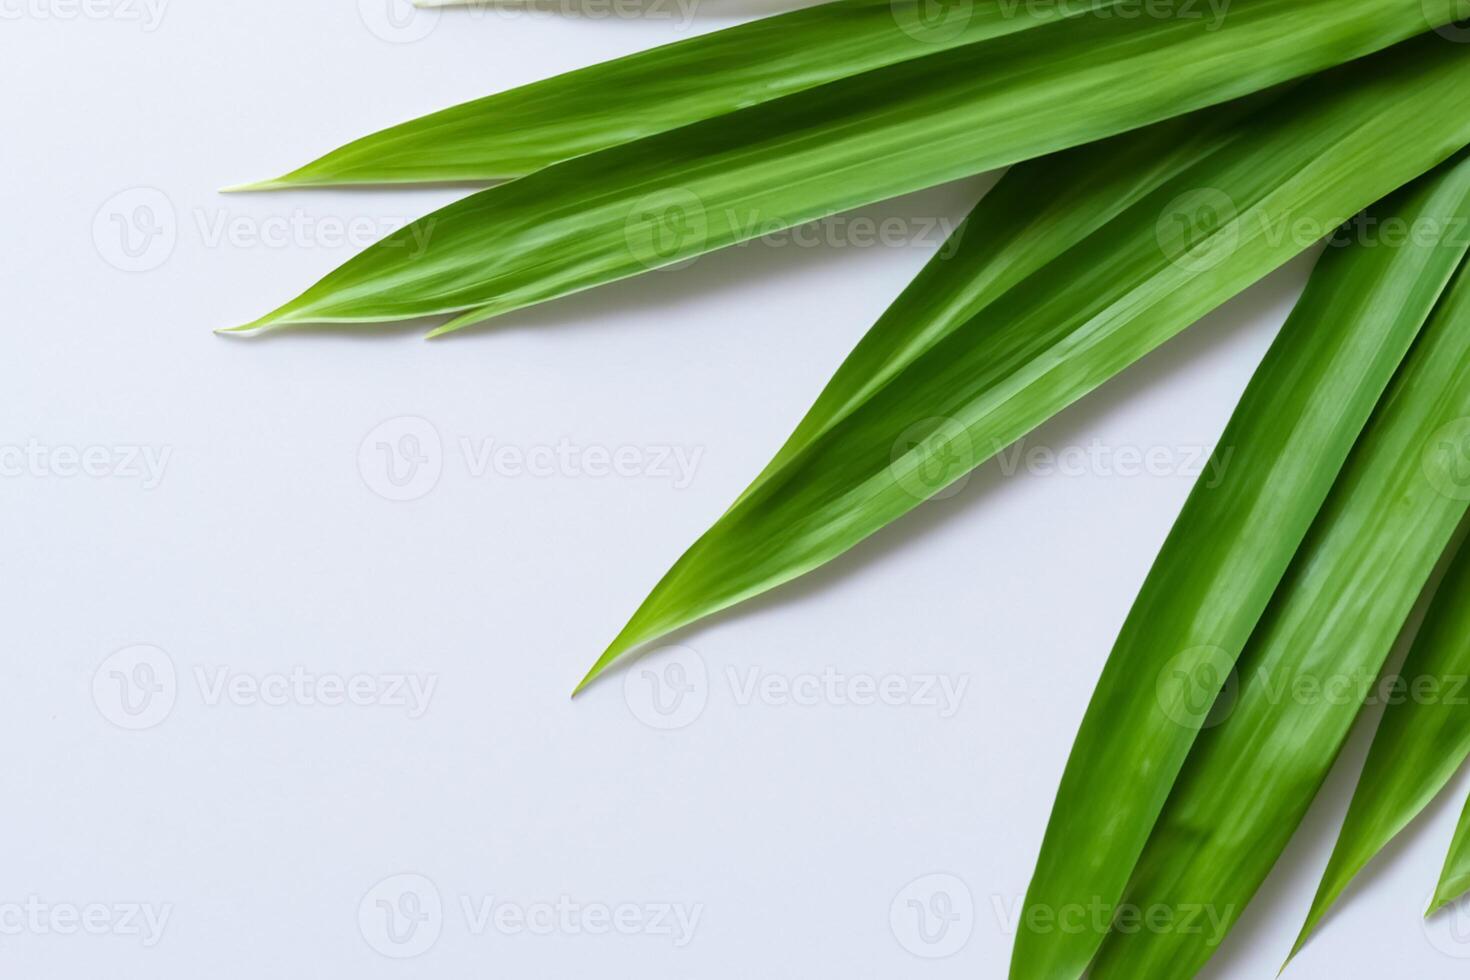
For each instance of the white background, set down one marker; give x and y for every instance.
(261, 545)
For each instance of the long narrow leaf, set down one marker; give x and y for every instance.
(1233, 542)
(673, 196)
(1034, 213)
(1423, 737)
(1328, 149)
(1454, 878)
(1249, 780)
(527, 128)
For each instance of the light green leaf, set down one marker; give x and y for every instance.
(676, 195)
(527, 128)
(1249, 779)
(1454, 878)
(1034, 213)
(1326, 150)
(1423, 737)
(1233, 542)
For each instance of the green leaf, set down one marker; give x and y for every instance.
(527, 128)
(673, 196)
(1326, 150)
(1423, 737)
(1034, 213)
(1249, 779)
(1454, 878)
(1233, 542)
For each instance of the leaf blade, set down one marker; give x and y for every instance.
(670, 197)
(1416, 750)
(1229, 549)
(1454, 877)
(1058, 334)
(1248, 781)
(519, 131)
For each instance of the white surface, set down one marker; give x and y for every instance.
(268, 832)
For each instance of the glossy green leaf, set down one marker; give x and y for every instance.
(527, 128)
(1228, 551)
(1249, 779)
(1327, 149)
(1454, 878)
(1423, 737)
(673, 196)
(1034, 213)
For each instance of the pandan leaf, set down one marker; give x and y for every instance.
(1423, 737)
(1454, 878)
(1034, 213)
(1327, 149)
(1248, 781)
(673, 196)
(527, 128)
(1285, 445)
